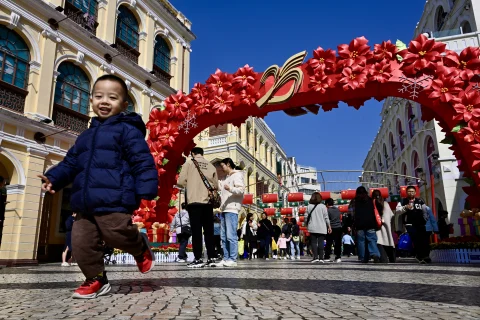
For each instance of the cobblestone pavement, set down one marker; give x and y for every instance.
(253, 290)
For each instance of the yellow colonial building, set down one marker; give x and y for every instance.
(51, 52)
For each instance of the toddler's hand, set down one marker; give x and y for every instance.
(46, 185)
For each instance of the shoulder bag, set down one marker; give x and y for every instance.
(378, 218)
(213, 195)
(187, 231)
(310, 214)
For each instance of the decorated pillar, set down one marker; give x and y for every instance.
(107, 14)
(147, 44)
(243, 140)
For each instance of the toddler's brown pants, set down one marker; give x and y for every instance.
(115, 229)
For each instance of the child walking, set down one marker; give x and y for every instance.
(282, 244)
(112, 169)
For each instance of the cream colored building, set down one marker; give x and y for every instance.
(52, 51)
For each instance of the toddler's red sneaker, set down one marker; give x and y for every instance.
(93, 288)
(145, 261)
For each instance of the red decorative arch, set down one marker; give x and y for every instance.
(442, 81)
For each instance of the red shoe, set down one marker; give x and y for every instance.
(145, 261)
(93, 288)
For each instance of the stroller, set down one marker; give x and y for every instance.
(108, 255)
(405, 245)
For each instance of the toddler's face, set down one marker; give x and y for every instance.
(108, 99)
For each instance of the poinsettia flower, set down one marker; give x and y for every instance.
(219, 81)
(244, 77)
(387, 50)
(157, 119)
(320, 82)
(168, 134)
(421, 54)
(147, 207)
(324, 60)
(161, 171)
(469, 62)
(381, 71)
(249, 96)
(157, 151)
(354, 77)
(468, 106)
(177, 105)
(357, 52)
(445, 88)
(202, 106)
(472, 131)
(172, 211)
(198, 91)
(223, 102)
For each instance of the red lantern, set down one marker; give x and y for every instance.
(248, 199)
(343, 208)
(285, 211)
(403, 191)
(295, 197)
(270, 211)
(269, 197)
(348, 194)
(325, 195)
(383, 192)
(302, 210)
(301, 219)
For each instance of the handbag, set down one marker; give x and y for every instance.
(310, 214)
(241, 247)
(185, 230)
(213, 195)
(378, 218)
(274, 245)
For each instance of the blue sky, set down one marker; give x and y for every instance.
(231, 34)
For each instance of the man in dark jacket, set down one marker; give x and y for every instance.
(336, 235)
(416, 216)
(276, 234)
(265, 234)
(112, 170)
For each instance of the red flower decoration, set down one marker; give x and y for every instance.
(421, 54)
(177, 105)
(249, 96)
(445, 88)
(381, 72)
(172, 211)
(244, 77)
(198, 91)
(468, 107)
(147, 208)
(320, 82)
(223, 102)
(156, 121)
(387, 50)
(219, 81)
(157, 151)
(357, 52)
(324, 60)
(202, 106)
(167, 135)
(472, 132)
(468, 62)
(354, 77)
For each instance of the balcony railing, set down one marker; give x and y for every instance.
(12, 97)
(162, 74)
(461, 41)
(69, 119)
(216, 141)
(126, 50)
(86, 20)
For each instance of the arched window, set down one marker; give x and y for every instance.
(162, 55)
(131, 105)
(72, 93)
(380, 164)
(466, 27)
(395, 182)
(415, 164)
(83, 12)
(410, 117)
(14, 58)
(404, 174)
(440, 18)
(127, 34)
(400, 135)
(430, 147)
(385, 155)
(392, 146)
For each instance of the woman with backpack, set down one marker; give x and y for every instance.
(318, 225)
(295, 242)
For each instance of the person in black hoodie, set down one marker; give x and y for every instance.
(416, 216)
(287, 229)
(276, 234)
(336, 235)
(265, 234)
(366, 225)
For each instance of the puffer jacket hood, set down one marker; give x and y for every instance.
(110, 166)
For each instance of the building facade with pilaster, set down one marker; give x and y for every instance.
(52, 51)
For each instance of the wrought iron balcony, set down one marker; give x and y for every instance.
(126, 50)
(86, 20)
(69, 119)
(12, 97)
(162, 74)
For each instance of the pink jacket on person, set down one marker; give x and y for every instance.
(282, 243)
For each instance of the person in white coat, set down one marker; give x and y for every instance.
(231, 189)
(385, 242)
